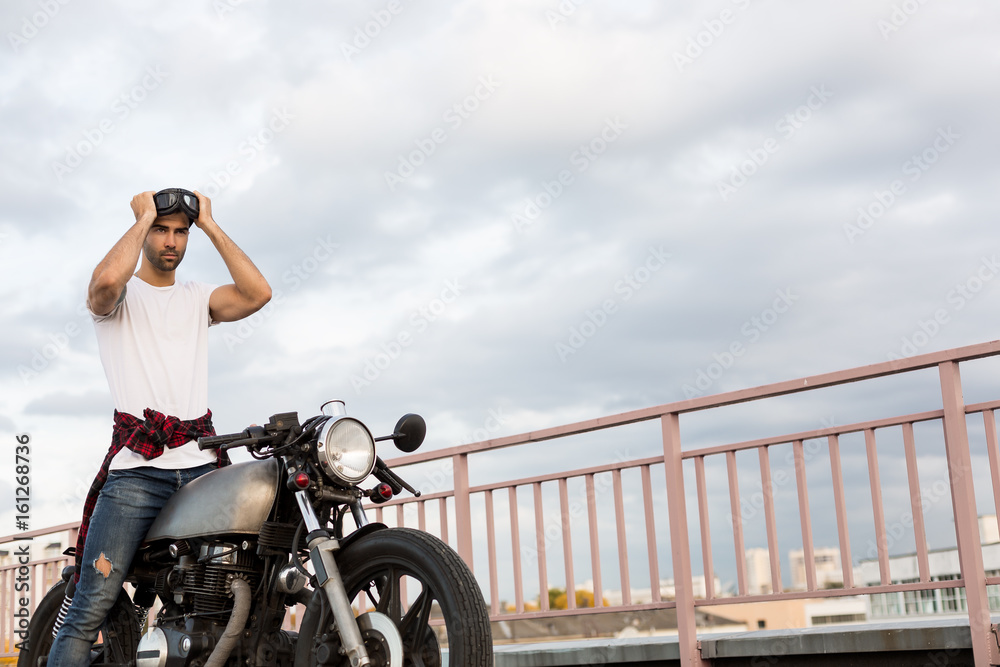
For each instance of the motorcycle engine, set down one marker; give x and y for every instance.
(206, 578)
(198, 590)
(169, 647)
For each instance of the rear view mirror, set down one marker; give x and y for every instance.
(409, 432)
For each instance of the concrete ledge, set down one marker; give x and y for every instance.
(588, 652)
(923, 635)
(945, 638)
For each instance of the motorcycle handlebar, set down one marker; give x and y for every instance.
(251, 435)
(214, 441)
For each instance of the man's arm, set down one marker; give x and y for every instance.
(107, 284)
(249, 291)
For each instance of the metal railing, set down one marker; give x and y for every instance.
(951, 416)
(462, 512)
(39, 575)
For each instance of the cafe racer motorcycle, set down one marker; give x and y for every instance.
(235, 548)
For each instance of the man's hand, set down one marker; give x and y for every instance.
(204, 210)
(143, 206)
(107, 283)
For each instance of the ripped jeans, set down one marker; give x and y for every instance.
(126, 507)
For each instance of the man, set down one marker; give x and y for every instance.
(152, 332)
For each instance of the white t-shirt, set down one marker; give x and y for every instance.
(154, 348)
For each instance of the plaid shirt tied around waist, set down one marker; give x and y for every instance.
(146, 437)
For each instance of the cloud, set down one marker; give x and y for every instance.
(493, 109)
(68, 404)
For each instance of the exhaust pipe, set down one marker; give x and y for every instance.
(234, 628)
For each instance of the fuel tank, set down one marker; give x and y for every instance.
(234, 499)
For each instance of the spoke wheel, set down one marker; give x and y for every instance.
(384, 592)
(116, 644)
(426, 590)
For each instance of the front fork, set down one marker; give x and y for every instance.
(321, 548)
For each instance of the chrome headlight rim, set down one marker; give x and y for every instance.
(327, 458)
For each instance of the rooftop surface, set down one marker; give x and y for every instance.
(926, 641)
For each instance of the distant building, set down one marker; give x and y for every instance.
(835, 611)
(829, 573)
(943, 565)
(623, 623)
(758, 571)
(989, 531)
(667, 591)
(796, 613)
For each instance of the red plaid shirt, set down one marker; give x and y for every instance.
(147, 437)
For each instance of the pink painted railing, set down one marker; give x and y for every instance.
(952, 417)
(451, 509)
(41, 574)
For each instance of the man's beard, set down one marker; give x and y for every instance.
(157, 260)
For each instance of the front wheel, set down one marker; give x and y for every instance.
(424, 588)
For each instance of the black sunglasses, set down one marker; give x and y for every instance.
(172, 200)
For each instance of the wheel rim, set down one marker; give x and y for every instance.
(389, 588)
(382, 640)
(111, 648)
(99, 651)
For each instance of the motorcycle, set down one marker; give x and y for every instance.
(228, 555)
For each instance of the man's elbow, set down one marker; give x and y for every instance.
(102, 295)
(265, 296)
(99, 284)
(260, 298)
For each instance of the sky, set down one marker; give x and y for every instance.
(512, 216)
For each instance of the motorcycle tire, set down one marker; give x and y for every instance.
(119, 634)
(377, 563)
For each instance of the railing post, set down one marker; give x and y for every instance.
(463, 508)
(963, 498)
(687, 634)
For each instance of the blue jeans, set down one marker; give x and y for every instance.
(126, 507)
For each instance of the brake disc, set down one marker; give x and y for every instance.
(382, 637)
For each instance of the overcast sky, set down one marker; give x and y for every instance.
(511, 216)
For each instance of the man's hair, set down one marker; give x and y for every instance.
(190, 222)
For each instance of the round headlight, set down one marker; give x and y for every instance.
(346, 450)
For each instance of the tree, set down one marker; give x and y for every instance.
(554, 594)
(584, 599)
